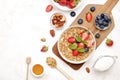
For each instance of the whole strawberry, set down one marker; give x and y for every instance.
(109, 42)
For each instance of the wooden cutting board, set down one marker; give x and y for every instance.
(106, 8)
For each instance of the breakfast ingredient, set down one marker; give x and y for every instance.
(109, 42)
(43, 39)
(44, 48)
(80, 43)
(58, 20)
(102, 21)
(68, 3)
(97, 35)
(72, 13)
(92, 9)
(52, 32)
(104, 63)
(88, 17)
(87, 69)
(80, 21)
(49, 8)
(51, 62)
(37, 69)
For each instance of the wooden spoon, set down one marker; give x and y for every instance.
(52, 63)
(28, 61)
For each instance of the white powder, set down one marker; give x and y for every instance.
(104, 63)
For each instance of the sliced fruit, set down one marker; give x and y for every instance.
(71, 40)
(73, 46)
(78, 38)
(89, 17)
(75, 53)
(72, 13)
(71, 5)
(63, 2)
(85, 36)
(49, 8)
(109, 42)
(44, 49)
(90, 43)
(81, 45)
(81, 50)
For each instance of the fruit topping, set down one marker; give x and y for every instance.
(92, 9)
(88, 17)
(75, 53)
(68, 3)
(109, 42)
(102, 21)
(58, 20)
(72, 13)
(80, 21)
(44, 49)
(71, 40)
(49, 8)
(81, 45)
(97, 35)
(86, 49)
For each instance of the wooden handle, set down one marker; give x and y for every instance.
(64, 73)
(27, 71)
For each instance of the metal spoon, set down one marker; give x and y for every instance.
(52, 63)
(28, 61)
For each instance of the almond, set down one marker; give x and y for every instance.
(52, 33)
(87, 69)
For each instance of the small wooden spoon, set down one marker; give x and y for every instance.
(28, 61)
(52, 63)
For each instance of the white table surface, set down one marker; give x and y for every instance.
(24, 22)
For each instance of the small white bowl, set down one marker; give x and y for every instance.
(39, 68)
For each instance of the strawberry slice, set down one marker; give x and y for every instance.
(89, 43)
(85, 36)
(89, 17)
(81, 45)
(49, 8)
(63, 2)
(75, 53)
(71, 40)
(71, 5)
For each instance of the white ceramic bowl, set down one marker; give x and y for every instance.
(39, 67)
(64, 8)
(80, 61)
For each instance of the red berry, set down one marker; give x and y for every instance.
(63, 2)
(81, 45)
(89, 43)
(75, 53)
(49, 8)
(71, 5)
(89, 17)
(85, 36)
(71, 40)
(109, 42)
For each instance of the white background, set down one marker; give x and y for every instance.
(24, 22)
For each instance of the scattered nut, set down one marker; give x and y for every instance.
(43, 39)
(52, 33)
(87, 69)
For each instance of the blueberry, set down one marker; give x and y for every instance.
(101, 27)
(105, 23)
(80, 21)
(97, 35)
(92, 9)
(102, 15)
(72, 13)
(100, 22)
(86, 49)
(98, 17)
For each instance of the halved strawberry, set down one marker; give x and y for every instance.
(89, 43)
(71, 5)
(75, 53)
(81, 45)
(63, 2)
(71, 40)
(85, 36)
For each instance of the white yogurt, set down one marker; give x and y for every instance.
(104, 63)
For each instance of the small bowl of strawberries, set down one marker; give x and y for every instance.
(76, 44)
(66, 5)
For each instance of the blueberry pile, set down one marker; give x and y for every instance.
(102, 21)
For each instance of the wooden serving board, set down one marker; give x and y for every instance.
(106, 8)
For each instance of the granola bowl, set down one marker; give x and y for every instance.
(76, 44)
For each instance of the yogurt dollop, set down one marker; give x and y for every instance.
(104, 63)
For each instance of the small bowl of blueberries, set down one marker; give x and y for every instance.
(103, 21)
